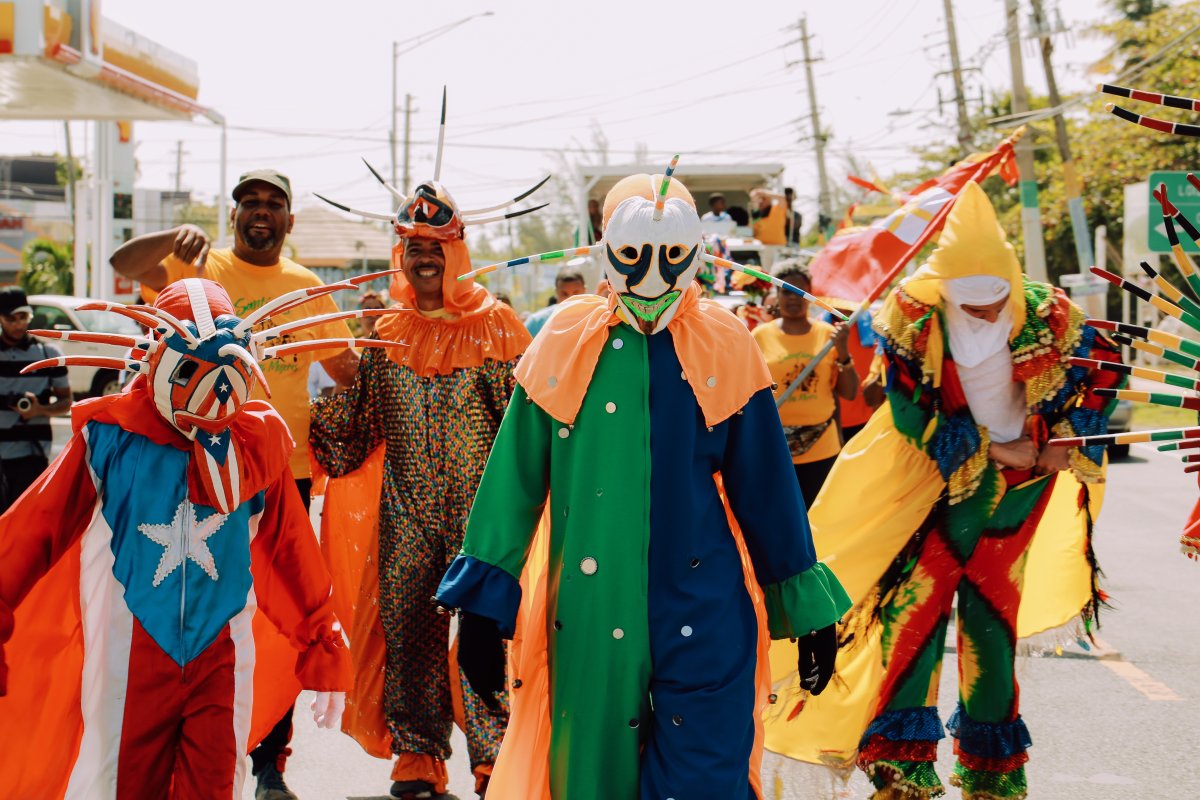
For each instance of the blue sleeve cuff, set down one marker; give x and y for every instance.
(482, 589)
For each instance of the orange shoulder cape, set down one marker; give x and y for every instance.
(720, 359)
(478, 327)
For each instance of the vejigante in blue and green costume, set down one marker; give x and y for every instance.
(672, 539)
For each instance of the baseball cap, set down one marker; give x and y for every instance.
(13, 300)
(273, 177)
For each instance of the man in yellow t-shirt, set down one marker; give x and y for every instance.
(809, 416)
(768, 216)
(253, 272)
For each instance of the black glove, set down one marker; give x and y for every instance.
(481, 657)
(818, 651)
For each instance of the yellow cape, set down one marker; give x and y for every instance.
(878, 494)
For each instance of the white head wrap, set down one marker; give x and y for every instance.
(972, 339)
(980, 351)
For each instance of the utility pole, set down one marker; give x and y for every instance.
(1079, 225)
(404, 187)
(960, 98)
(392, 130)
(1031, 215)
(178, 166)
(823, 201)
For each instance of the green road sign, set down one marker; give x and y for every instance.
(1185, 197)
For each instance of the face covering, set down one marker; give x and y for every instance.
(972, 340)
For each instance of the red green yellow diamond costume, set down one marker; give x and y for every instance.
(915, 512)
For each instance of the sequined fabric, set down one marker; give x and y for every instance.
(984, 785)
(929, 408)
(438, 431)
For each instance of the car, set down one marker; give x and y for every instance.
(57, 312)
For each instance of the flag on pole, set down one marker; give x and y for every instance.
(857, 260)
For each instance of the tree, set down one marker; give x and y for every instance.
(1135, 10)
(1109, 153)
(46, 268)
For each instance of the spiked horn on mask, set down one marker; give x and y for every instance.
(430, 212)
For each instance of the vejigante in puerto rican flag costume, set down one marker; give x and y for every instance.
(132, 571)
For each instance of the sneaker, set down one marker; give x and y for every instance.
(271, 785)
(412, 790)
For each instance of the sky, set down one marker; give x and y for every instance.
(305, 86)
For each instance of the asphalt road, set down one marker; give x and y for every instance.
(1118, 727)
(1114, 727)
(1120, 724)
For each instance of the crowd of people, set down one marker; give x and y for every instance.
(487, 461)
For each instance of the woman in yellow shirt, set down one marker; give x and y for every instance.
(809, 416)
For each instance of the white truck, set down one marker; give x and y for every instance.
(703, 180)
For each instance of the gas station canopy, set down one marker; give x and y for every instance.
(60, 59)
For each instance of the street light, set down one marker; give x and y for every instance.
(399, 49)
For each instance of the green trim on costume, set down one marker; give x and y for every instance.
(980, 785)
(914, 779)
(910, 419)
(804, 603)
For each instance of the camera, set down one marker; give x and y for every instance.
(22, 401)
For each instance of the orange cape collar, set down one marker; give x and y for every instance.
(721, 361)
(479, 327)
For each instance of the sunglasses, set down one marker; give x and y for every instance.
(20, 316)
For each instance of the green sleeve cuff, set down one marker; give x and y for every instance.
(804, 603)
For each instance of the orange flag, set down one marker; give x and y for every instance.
(859, 263)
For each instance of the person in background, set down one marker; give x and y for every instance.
(253, 272)
(768, 217)
(793, 220)
(568, 283)
(809, 415)
(594, 218)
(319, 382)
(502, 297)
(26, 401)
(369, 299)
(868, 365)
(716, 209)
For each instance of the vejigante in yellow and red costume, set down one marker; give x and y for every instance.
(920, 508)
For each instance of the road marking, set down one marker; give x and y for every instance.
(1152, 689)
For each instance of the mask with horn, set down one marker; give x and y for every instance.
(200, 361)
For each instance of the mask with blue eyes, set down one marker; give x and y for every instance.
(200, 360)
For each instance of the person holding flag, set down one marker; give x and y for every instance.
(951, 490)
